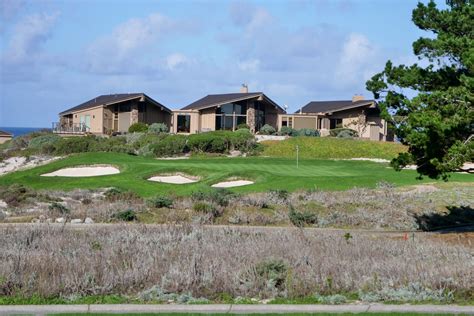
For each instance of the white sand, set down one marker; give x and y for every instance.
(231, 184)
(20, 163)
(379, 160)
(176, 179)
(173, 158)
(83, 172)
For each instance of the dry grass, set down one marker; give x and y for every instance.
(57, 261)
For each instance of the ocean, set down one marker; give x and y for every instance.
(18, 131)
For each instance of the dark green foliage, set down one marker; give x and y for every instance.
(300, 219)
(126, 216)
(116, 194)
(170, 145)
(222, 141)
(15, 194)
(243, 126)
(158, 128)
(280, 194)
(287, 131)
(307, 132)
(138, 128)
(218, 196)
(160, 201)
(273, 270)
(345, 132)
(72, 145)
(45, 144)
(267, 130)
(438, 123)
(59, 208)
(206, 208)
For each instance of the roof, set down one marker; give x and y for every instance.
(333, 106)
(218, 99)
(3, 133)
(107, 99)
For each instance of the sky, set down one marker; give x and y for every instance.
(57, 54)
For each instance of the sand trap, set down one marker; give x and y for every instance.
(176, 179)
(231, 184)
(379, 160)
(83, 172)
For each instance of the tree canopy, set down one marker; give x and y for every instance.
(437, 123)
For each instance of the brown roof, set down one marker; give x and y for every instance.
(333, 106)
(106, 99)
(218, 99)
(3, 133)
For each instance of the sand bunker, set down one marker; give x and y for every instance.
(175, 179)
(231, 184)
(91, 171)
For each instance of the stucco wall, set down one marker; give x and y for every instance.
(4, 139)
(208, 120)
(96, 115)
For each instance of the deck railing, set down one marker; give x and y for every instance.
(71, 128)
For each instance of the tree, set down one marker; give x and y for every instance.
(437, 123)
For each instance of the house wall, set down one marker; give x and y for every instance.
(208, 119)
(4, 138)
(271, 116)
(300, 122)
(194, 123)
(96, 115)
(154, 114)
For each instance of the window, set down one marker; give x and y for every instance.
(335, 123)
(230, 115)
(259, 115)
(184, 123)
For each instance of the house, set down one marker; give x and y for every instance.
(358, 114)
(5, 136)
(108, 114)
(227, 112)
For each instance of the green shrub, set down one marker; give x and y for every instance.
(346, 134)
(218, 196)
(267, 130)
(287, 131)
(116, 194)
(138, 128)
(300, 219)
(59, 208)
(171, 145)
(335, 132)
(70, 145)
(158, 128)
(274, 271)
(242, 140)
(212, 142)
(15, 194)
(132, 138)
(126, 216)
(160, 201)
(243, 126)
(45, 143)
(308, 132)
(206, 208)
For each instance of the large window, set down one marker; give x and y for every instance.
(184, 123)
(230, 115)
(335, 123)
(259, 115)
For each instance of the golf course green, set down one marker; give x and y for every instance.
(267, 173)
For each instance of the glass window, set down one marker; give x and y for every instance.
(219, 122)
(184, 123)
(240, 120)
(226, 109)
(240, 109)
(335, 123)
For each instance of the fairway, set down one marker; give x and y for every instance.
(267, 173)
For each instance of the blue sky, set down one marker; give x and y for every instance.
(57, 54)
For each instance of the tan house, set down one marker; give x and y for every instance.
(358, 114)
(227, 112)
(108, 114)
(5, 136)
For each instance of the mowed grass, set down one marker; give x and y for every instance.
(330, 147)
(268, 173)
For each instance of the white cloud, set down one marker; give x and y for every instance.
(175, 60)
(28, 37)
(250, 65)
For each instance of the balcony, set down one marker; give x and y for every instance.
(70, 128)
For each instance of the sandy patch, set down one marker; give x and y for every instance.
(231, 184)
(20, 163)
(379, 160)
(91, 171)
(174, 179)
(173, 158)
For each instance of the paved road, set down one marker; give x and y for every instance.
(235, 309)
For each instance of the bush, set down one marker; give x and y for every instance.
(160, 201)
(348, 131)
(171, 145)
(44, 143)
(76, 145)
(206, 208)
(345, 134)
(138, 128)
(158, 128)
(126, 216)
(15, 194)
(219, 196)
(243, 126)
(300, 219)
(115, 194)
(287, 131)
(308, 132)
(59, 208)
(215, 142)
(274, 271)
(267, 130)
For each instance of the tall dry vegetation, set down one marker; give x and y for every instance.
(55, 261)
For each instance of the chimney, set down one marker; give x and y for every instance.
(244, 88)
(357, 97)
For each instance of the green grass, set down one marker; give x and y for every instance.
(330, 148)
(268, 173)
